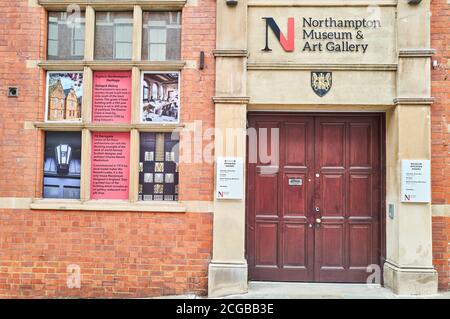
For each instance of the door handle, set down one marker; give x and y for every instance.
(318, 222)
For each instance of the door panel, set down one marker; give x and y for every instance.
(295, 246)
(332, 189)
(314, 213)
(266, 249)
(283, 198)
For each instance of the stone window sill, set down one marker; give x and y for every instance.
(104, 205)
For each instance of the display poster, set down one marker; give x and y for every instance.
(158, 167)
(111, 97)
(160, 97)
(64, 96)
(230, 178)
(110, 165)
(416, 183)
(62, 165)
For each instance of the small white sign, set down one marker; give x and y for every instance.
(230, 178)
(416, 183)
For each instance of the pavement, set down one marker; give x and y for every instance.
(293, 290)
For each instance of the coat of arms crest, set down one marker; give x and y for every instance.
(321, 82)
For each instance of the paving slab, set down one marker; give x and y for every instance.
(276, 290)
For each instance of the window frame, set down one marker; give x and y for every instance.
(86, 127)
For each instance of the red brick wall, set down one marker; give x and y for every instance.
(21, 39)
(440, 136)
(121, 254)
(441, 250)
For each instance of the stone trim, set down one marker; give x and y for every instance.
(15, 202)
(104, 205)
(414, 101)
(116, 5)
(58, 204)
(416, 53)
(108, 65)
(322, 3)
(231, 99)
(230, 53)
(51, 126)
(440, 210)
(306, 66)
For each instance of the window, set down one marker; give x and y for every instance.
(113, 35)
(78, 41)
(65, 40)
(129, 109)
(161, 36)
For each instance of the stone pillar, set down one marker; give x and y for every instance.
(228, 268)
(408, 268)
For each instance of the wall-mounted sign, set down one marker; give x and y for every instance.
(416, 185)
(111, 97)
(321, 34)
(230, 178)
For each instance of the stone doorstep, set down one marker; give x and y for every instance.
(292, 290)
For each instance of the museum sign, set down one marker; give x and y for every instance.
(318, 35)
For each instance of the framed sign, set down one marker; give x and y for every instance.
(111, 97)
(110, 169)
(416, 184)
(230, 178)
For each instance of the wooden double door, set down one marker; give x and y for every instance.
(313, 214)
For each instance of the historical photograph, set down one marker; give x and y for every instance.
(160, 97)
(64, 96)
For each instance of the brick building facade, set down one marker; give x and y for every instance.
(120, 254)
(158, 250)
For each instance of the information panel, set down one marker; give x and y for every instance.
(416, 185)
(111, 97)
(110, 165)
(230, 178)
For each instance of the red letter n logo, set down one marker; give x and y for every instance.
(286, 43)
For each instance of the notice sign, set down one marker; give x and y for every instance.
(112, 97)
(416, 181)
(110, 165)
(230, 178)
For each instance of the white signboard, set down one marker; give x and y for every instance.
(230, 178)
(416, 185)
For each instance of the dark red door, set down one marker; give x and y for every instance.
(314, 196)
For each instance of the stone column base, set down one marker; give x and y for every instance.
(407, 281)
(227, 279)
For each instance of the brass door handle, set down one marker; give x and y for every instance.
(318, 221)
